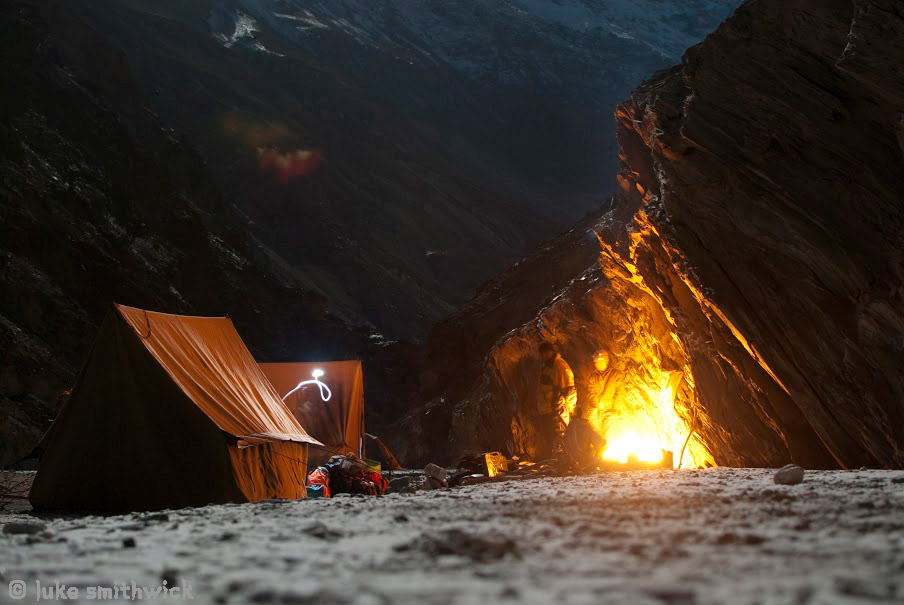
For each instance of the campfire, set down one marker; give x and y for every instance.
(644, 426)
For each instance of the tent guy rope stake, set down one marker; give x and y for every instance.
(320, 385)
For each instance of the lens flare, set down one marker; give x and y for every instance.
(277, 147)
(288, 166)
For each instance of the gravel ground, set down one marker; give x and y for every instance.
(681, 538)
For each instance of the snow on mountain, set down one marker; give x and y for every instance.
(471, 34)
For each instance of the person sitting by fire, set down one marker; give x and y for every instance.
(556, 399)
(583, 444)
(602, 384)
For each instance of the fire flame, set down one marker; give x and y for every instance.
(624, 446)
(643, 423)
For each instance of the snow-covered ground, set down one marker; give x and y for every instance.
(685, 537)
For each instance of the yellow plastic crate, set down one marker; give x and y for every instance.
(496, 464)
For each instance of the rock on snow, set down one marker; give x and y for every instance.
(790, 474)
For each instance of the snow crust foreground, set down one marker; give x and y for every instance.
(686, 537)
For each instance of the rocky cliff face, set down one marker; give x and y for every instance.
(752, 267)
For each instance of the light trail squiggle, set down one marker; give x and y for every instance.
(323, 388)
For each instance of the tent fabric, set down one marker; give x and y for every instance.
(338, 423)
(165, 415)
(206, 357)
(277, 469)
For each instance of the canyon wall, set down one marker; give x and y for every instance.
(754, 254)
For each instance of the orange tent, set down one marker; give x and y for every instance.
(337, 423)
(169, 411)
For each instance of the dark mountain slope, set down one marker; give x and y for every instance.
(520, 91)
(102, 203)
(396, 154)
(371, 220)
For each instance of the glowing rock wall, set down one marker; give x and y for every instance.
(767, 172)
(679, 367)
(654, 404)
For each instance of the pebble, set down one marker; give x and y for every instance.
(790, 474)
